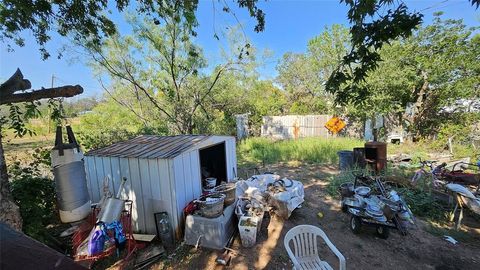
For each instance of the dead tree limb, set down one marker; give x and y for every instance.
(15, 83)
(63, 91)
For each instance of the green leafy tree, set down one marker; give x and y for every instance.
(435, 67)
(375, 23)
(165, 72)
(89, 19)
(303, 76)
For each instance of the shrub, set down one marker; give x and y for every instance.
(35, 195)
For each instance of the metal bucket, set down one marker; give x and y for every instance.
(211, 206)
(346, 189)
(229, 190)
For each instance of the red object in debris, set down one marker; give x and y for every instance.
(190, 208)
(85, 228)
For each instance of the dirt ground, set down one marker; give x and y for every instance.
(418, 250)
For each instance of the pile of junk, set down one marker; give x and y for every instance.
(371, 203)
(213, 220)
(98, 230)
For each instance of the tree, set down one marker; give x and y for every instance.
(81, 19)
(371, 29)
(303, 76)
(430, 70)
(164, 68)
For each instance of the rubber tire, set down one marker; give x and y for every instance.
(383, 232)
(355, 224)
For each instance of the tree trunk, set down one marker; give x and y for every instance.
(9, 211)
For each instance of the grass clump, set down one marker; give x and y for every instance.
(312, 150)
(336, 180)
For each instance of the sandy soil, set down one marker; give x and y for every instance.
(418, 250)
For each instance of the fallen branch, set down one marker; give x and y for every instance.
(63, 91)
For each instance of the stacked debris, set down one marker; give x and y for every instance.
(281, 195)
(265, 192)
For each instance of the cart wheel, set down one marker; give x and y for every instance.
(383, 232)
(344, 208)
(355, 224)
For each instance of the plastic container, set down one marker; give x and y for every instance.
(210, 182)
(229, 190)
(345, 159)
(211, 233)
(96, 243)
(248, 228)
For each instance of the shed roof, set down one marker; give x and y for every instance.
(150, 146)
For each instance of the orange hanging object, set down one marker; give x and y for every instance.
(335, 125)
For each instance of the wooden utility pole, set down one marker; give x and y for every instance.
(48, 120)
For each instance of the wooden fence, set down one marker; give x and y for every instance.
(295, 126)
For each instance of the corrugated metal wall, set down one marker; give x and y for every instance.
(143, 186)
(156, 185)
(295, 126)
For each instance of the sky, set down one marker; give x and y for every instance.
(289, 25)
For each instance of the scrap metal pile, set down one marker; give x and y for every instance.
(281, 195)
(375, 206)
(261, 193)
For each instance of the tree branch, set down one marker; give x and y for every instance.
(15, 83)
(63, 91)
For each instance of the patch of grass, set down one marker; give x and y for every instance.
(313, 150)
(336, 180)
(423, 204)
(439, 230)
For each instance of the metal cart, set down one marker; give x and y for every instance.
(360, 217)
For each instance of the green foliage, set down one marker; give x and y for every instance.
(262, 100)
(426, 72)
(89, 19)
(160, 76)
(318, 150)
(303, 76)
(422, 204)
(97, 139)
(335, 181)
(374, 24)
(17, 116)
(109, 123)
(35, 194)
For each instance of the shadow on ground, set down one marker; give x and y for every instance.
(418, 250)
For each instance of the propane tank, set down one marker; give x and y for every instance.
(70, 178)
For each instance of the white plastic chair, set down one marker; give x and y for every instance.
(305, 254)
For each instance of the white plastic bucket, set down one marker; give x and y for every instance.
(210, 182)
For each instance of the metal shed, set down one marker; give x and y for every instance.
(164, 173)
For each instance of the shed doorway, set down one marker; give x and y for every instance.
(213, 162)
